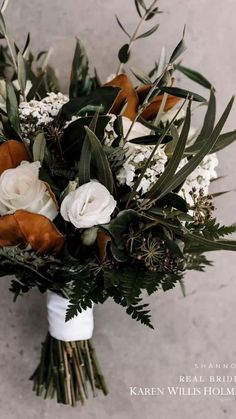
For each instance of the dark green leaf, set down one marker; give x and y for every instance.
(104, 173)
(194, 75)
(149, 32)
(21, 72)
(180, 48)
(209, 120)
(122, 27)
(141, 76)
(104, 96)
(183, 173)
(79, 70)
(85, 158)
(12, 107)
(174, 162)
(176, 91)
(2, 26)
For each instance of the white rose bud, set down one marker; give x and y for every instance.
(21, 188)
(89, 205)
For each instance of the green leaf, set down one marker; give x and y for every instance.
(2, 26)
(103, 168)
(165, 131)
(104, 96)
(179, 49)
(138, 4)
(148, 33)
(174, 162)
(85, 158)
(194, 75)
(183, 173)
(124, 53)
(209, 120)
(176, 91)
(39, 147)
(122, 27)
(73, 138)
(4, 5)
(224, 140)
(153, 13)
(12, 107)
(141, 76)
(21, 72)
(79, 70)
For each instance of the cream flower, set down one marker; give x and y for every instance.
(21, 188)
(89, 205)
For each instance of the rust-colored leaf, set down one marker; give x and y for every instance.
(25, 228)
(102, 241)
(12, 153)
(151, 111)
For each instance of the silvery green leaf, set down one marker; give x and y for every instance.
(149, 32)
(4, 5)
(2, 25)
(141, 76)
(39, 146)
(21, 72)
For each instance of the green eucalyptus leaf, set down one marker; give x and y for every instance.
(39, 146)
(12, 107)
(124, 53)
(194, 75)
(176, 91)
(149, 32)
(104, 173)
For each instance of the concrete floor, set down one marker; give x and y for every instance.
(200, 328)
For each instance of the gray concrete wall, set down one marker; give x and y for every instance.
(195, 329)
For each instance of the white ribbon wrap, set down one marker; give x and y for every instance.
(78, 328)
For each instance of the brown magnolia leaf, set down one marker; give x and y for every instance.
(12, 153)
(151, 110)
(127, 93)
(102, 241)
(26, 228)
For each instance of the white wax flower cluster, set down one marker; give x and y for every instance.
(37, 113)
(200, 178)
(136, 157)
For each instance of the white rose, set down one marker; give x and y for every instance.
(21, 188)
(89, 205)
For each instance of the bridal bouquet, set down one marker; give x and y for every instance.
(104, 193)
